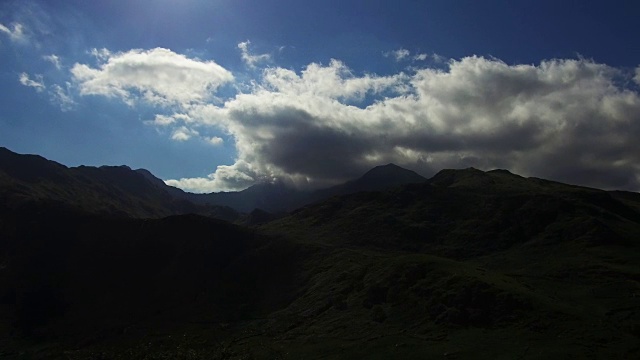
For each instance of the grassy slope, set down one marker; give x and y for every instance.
(514, 267)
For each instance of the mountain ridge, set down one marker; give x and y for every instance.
(469, 263)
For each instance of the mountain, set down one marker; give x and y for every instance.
(469, 212)
(120, 190)
(278, 197)
(114, 190)
(490, 256)
(376, 179)
(271, 197)
(465, 265)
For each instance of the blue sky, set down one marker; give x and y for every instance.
(217, 95)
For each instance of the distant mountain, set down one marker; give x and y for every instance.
(376, 179)
(113, 190)
(278, 197)
(271, 197)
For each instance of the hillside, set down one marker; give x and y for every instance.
(108, 190)
(465, 265)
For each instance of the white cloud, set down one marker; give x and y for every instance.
(157, 76)
(216, 141)
(404, 54)
(249, 59)
(16, 33)
(54, 59)
(335, 81)
(226, 178)
(399, 54)
(637, 77)
(37, 83)
(562, 119)
(439, 58)
(569, 120)
(183, 133)
(420, 57)
(62, 97)
(164, 120)
(100, 54)
(58, 95)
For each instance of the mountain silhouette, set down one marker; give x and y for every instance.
(278, 197)
(466, 264)
(114, 190)
(376, 179)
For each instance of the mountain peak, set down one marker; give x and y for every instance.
(386, 176)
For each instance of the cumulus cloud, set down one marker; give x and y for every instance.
(567, 119)
(249, 59)
(37, 83)
(564, 119)
(183, 133)
(16, 33)
(334, 81)
(157, 76)
(226, 178)
(216, 141)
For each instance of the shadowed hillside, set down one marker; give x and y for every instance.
(113, 190)
(74, 277)
(465, 265)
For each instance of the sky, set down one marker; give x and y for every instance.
(218, 95)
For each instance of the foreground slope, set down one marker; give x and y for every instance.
(479, 265)
(70, 280)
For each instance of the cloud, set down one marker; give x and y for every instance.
(251, 60)
(38, 83)
(570, 120)
(157, 76)
(439, 58)
(16, 33)
(54, 59)
(399, 54)
(563, 119)
(404, 54)
(420, 57)
(637, 77)
(334, 81)
(183, 134)
(100, 54)
(226, 178)
(57, 94)
(165, 120)
(216, 141)
(62, 97)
